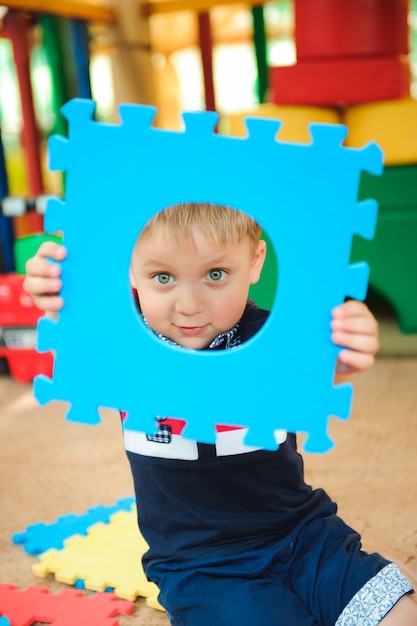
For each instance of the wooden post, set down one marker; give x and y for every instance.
(16, 26)
(132, 69)
(206, 48)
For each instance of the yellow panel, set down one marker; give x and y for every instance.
(163, 6)
(295, 120)
(391, 123)
(91, 10)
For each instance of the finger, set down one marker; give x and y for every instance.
(354, 317)
(356, 361)
(350, 308)
(53, 250)
(40, 266)
(43, 263)
(40, 285)
(368, 343)
(49, 304)
(361, 324)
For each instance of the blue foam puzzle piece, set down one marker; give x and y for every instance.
(303, 195)
(41, 537)
(4, 621)
(80, 584)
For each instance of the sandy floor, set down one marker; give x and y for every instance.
(50, 467)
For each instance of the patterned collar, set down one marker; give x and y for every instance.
(227, 340)
(223, 341)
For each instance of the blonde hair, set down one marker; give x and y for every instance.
(221, 224)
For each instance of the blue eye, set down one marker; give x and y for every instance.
(216, 275)
(163, 278)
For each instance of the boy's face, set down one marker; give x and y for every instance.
(191, 294)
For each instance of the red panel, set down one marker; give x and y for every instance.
(328, 28)
(19, 315)
(24, 365)
(341, 81)
(16, 305)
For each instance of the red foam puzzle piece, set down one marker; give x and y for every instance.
(70, 607)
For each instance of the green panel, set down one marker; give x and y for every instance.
(53, 51)
(264, 291)
(392, 255)
(259, 39)
(26, 247)
(397, 187)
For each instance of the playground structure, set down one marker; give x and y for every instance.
(334, 79)
(348, 59)
(396, 193)
(22, 218)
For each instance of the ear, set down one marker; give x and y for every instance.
(257, 262)
(132, 278)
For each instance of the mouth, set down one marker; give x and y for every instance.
(191, 330)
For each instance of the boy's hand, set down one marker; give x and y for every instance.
(43, 277)
(355, 328)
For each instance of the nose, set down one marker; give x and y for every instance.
(189, 299)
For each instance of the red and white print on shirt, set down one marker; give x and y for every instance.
(169, 443)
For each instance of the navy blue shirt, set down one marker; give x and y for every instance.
(196, 499)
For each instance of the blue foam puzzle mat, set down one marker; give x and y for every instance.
(303, 195)
(41, 537)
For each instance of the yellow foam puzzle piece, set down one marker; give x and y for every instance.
(110, 555)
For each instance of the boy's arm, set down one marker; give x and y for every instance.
(355, 328)
(43, 280)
